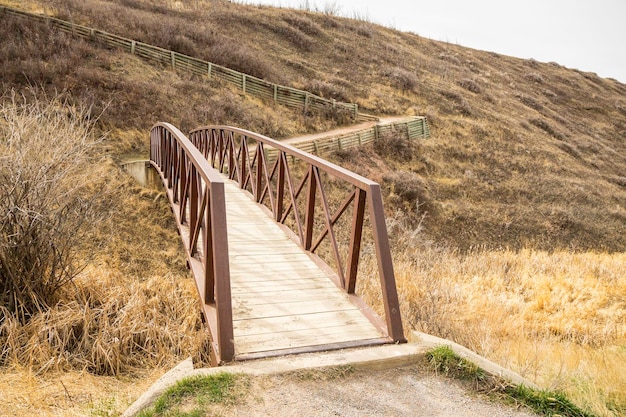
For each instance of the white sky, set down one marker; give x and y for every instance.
(580, 34)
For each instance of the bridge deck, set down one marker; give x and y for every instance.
(283, 301)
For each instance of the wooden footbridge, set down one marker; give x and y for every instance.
(273, 238)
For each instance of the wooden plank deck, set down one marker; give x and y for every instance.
(283, 302)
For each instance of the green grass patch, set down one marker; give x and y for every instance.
(444, 360)
(192, 396)
(547, 403)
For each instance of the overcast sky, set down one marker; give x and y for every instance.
(581, 34)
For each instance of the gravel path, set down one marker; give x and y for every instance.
(406, 391)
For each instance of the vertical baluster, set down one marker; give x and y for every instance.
(310, 209)
(356, 234)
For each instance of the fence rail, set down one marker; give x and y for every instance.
(413, 129)
(286, 96)
(296, 187)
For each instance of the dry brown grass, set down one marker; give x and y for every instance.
(557, 318)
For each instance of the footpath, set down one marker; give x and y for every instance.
(383, 381)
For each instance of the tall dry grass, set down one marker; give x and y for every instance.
(557, 318)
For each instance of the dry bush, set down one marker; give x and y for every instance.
(304, 24)
(535, 77)
(332, 90)
(529, 101)
(546, 127)
(409, 193)
(401, 79)
(470, 85)
(133, 307)
(293, 34)
(110, 326)
(49, 200)
(394, 144)
(241, 58)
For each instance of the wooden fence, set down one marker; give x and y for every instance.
(413, 129)
(286, 96)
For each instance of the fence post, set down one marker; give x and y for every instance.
(132, 47)
(243, 82)
(306, 103)
(275, 93)
(173, 55)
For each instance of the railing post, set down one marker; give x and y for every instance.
(223, 303)
(260, 161)
(358, 217)
(385, 265)
(244, 161)
(310, 209)
(230, 149)
(193, 204)
(208, 249)
(280, 184)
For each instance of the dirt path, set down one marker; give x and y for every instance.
(344, 130)
(405, 391)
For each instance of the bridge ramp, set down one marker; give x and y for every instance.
(283, 300)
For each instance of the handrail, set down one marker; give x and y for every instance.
(196, 193)
(266, 168)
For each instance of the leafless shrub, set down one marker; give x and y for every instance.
(393, 145)
(48, 204)
(408, 192)
(303, 24)
(550, 94)
(332, 8)
(535, 77)
(365, 30)
(470, 85)
(240, 59)
(293, 34)
(532, 63)
(453, 59)
(327, 90)
(456, 103)
(546, 127)
(401, 78)
(529, 101)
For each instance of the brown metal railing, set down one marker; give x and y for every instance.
(267, 169)
(196, 193)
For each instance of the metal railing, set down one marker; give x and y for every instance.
(196, 194)
(267, 169)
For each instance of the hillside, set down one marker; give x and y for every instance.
(508, 225)
(523, 153)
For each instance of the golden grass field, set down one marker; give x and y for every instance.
(508, 225)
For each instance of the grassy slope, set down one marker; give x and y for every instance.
(523, 154)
